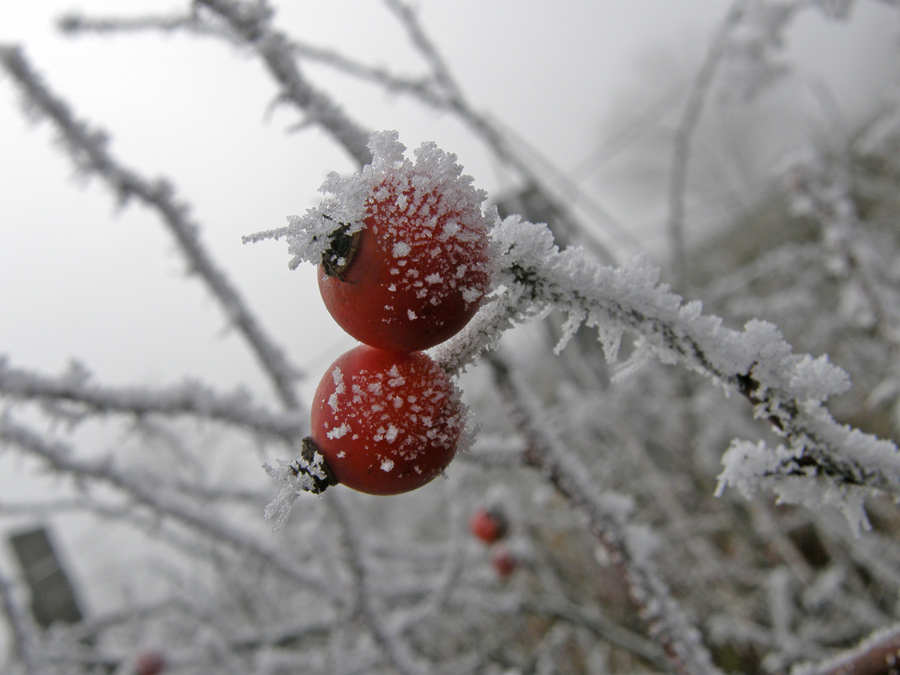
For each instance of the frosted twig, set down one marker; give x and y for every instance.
(505, 146)
(607, 515)
(601, 627)
(252, 25)
(88, 149)
(283, 636)
(363, 601)
(76, 24)
(73, 23)
(60, 457)
(788, 390)
(690, 118)
(516, 605)
(879, 653)
(425, 46)
(24, 633)
(420, 87)
(188, 399)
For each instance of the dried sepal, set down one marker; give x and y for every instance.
(311, 463)
(341, 250)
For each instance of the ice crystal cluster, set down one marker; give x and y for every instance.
(433, 184)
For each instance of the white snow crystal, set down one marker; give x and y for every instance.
(339, 388)
(817, 379)
(339, 432)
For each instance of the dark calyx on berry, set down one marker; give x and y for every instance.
(341, 249)
(312, 463)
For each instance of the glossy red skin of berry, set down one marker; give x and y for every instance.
(417, 276)
(487, 525)
(386, 422)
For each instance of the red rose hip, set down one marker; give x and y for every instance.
(386, 422)
(416, 271)
(488, 525)
(149, 663)
(503, 561)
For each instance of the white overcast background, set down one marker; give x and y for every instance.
(81, 280)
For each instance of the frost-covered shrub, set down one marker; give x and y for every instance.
(678, 495)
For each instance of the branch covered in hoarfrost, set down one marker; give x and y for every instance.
(878, 653)
(787, 389)
(251, 22)
(608, 516)
(88, 149)
(364, 605)
(682, 142)
(188, 399)
(154, 496)
(74, 23)
(24, 634)
(201, 25)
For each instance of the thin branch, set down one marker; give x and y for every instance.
(679, 640)
(505, 146)
(878, 654)
(60, 457)
(24, 632)
(421, 87)
(253, 25)
(189, 399)
(87, 148)
(684, 134)
(426, 47)
(73, 23)
(788, 390)
(363, 605)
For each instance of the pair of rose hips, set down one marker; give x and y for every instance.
(386, 419)
(490, 525)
